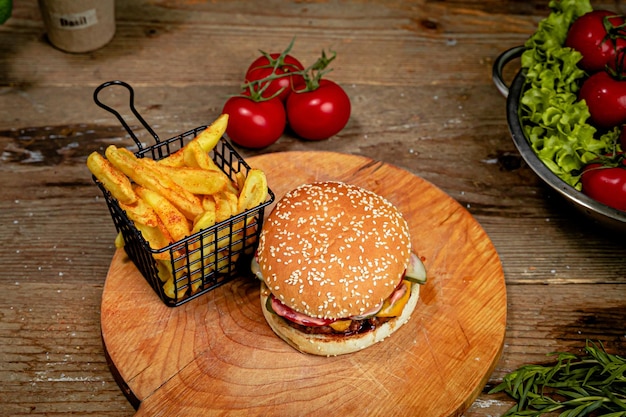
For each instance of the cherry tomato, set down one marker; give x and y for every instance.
(606, 98)
(589, 36)
(605, 184)
(254, 124)
(262, 68)
(318, 114)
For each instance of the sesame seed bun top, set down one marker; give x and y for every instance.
(333, 250)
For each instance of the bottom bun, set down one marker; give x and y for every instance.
(333, 345)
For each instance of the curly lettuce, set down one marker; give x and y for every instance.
(554, 121)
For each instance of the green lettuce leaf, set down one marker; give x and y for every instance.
(554, 121)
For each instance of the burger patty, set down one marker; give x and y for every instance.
(356, 327)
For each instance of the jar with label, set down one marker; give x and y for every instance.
(79, 26)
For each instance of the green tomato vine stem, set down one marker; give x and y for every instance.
(312, 75)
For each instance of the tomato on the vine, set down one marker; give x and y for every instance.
(597, 35)
(316, 108)
(318, 113)
(271, 72)
(254, 124)
(605, 97)
(606, 184)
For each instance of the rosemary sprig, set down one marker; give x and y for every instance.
(593, 384)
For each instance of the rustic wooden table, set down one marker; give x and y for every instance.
(419, 77)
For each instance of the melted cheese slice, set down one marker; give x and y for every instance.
(393, 308)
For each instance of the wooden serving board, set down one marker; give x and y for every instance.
(217, 356)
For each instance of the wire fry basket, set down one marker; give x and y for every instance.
(198, 263)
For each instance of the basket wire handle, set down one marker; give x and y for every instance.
(132, 108)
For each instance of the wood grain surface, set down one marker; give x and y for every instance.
(216, 354)
(418, 73)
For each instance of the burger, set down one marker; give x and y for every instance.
(336, 268)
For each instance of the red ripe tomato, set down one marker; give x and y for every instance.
(606, 98)
(318, 114)
(263, 67)
(589, 36)
(605, 184)
(254, 124)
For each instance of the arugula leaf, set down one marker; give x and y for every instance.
(553, 120)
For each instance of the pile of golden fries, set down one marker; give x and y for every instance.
(177, 196)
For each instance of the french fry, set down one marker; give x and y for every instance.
(119, 240)
(143, 173)
(224, 260)
(224, 240)
(164, 270)
(122, 159)
(240, 178)
(197, 270)
(233, 200)
(195, 156)
(197, 254)
(196, 282)
(254, 191)
(231, 187)
(141, 212)
(170, 290)
(170, 282)
(223, 206)
(207, 139)
(113, 180)
(170, 286)
(157, 237)
(204, 221)
(196, 180)
(208, 203)
(174, 160)
(212, 134)
(175, 222)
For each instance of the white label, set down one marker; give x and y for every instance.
(74, 21)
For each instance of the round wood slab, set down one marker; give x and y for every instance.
(216, 354)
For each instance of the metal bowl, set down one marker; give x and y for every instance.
(598, 212)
